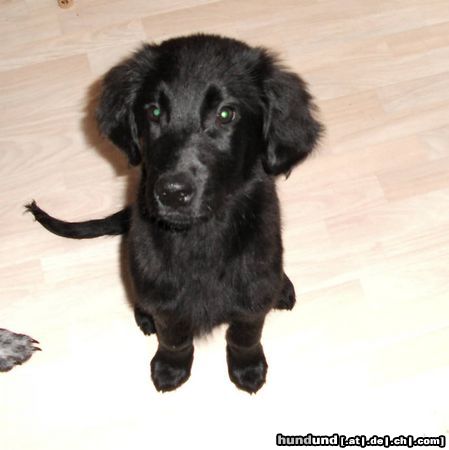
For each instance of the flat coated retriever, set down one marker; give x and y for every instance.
(212, 122)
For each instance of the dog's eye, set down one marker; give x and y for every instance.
(154, 113)
(225, 115)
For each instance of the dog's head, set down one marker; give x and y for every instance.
(204, 114)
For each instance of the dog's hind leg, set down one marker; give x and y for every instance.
(288, 296)
(144, 321)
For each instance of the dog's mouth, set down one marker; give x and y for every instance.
(177, 221)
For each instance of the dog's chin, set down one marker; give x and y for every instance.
(178, 222)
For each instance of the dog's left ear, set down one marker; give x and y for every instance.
(116, 115)
(291, 132)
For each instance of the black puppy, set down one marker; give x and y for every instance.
(212, 121)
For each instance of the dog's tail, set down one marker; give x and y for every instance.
(114, 224)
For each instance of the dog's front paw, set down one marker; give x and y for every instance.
(168, 371)
(288, 296)
(15, 349)
(247, 369)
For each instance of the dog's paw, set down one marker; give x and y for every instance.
(247, 371)
(169, 372)
(145, 322)
(288, 296)
(15, 349)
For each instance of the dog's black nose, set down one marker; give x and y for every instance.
(174, 191)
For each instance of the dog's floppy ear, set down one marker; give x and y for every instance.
(116, 109)
(291, 131)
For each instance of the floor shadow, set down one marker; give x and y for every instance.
(94, 138)
(125, 274)
(119, 162)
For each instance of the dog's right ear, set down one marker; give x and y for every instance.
(116, 109)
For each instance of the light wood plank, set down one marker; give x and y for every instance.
(365, 231)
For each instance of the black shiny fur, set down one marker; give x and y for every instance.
(217, 258)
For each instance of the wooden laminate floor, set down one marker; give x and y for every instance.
(366, 350)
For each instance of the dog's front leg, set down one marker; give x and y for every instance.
(170, 366)
(247, 365)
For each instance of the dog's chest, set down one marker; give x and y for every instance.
(206, 276)
(194, 274)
